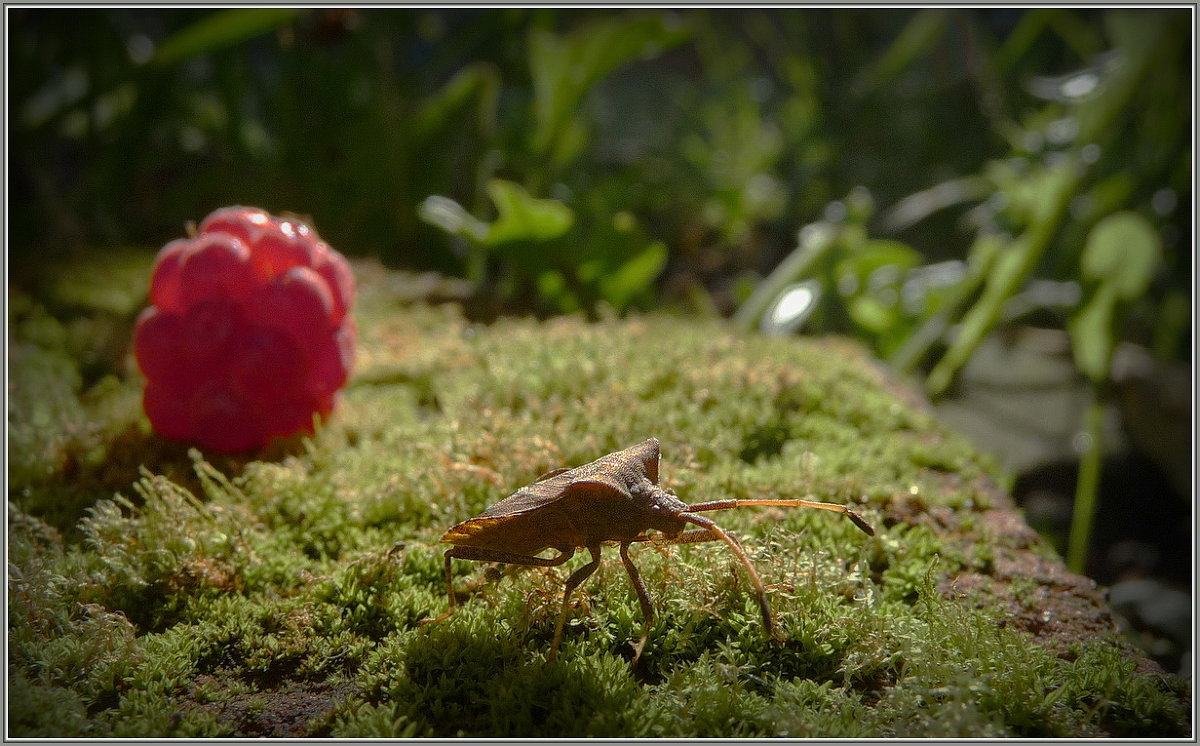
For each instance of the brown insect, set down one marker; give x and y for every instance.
(613, 500)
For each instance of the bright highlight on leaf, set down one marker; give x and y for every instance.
(794, 305)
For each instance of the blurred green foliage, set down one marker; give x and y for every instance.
(688, 145)
(1099, 155)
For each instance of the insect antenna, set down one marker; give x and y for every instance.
(834, 507)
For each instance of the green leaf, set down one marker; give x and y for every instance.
(1173, 322)
(565, 67)
(918, 39)
(1093, 335)
(871, 314)
(980, 257)
(1140, 39)
(224, 28)
(1012, 268)
(1008, 271)
(524, 217)
(479, 83)
(1035, 196)
(1123, 250)
(452, 217)
(621, 287)
(553, 286)
(874, 255)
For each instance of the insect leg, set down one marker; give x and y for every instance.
(576, 578)
(643, 599)
(736, 546)
(691, 536)
(492, 555)
(834, 507)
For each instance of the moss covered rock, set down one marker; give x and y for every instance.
(160, 591)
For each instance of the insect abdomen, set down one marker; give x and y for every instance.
(520, 534)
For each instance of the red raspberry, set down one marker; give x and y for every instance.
(330, 265)
(249, 334)
(168, 411)
(215, 266)
(247, 223)
(278, 252)
(298, 302)
(267, 367)
(154, 338)
(224, 422)
(332, 362)
(294, 416)
(164, 283)
(208, 333)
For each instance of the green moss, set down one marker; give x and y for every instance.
(802, 708)
(1105, 684)
(160, 592)
(40, 711)
(376, 721)
(148, 714)
(113, 284)
(43, 386)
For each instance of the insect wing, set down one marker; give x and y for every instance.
(463, 532)
(598, 484)
(532, 497)
(553, 473)
(608, 477)
(541, 494)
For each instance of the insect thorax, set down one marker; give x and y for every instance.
(659, 506)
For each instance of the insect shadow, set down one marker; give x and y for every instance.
(615, 499)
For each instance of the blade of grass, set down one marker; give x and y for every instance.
(219, 30)
(1012, 269)
(1087, 487)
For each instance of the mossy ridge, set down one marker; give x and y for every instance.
(191, 602)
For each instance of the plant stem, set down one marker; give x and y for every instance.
(1087, 486)
(797, 265)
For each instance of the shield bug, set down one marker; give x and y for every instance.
(615, 499)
